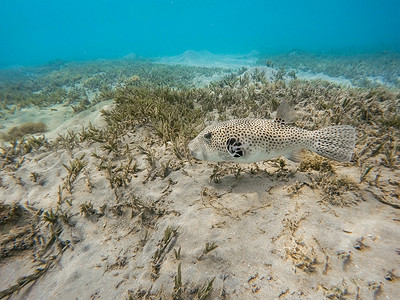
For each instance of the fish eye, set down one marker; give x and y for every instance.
(207, 135)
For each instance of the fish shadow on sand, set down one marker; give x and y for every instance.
(261, 187)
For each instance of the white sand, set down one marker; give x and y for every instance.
(320, 76)
(59, 119)
(272, 243)
(205, 58)
(265, 236)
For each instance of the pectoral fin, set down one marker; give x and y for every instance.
(295, 156)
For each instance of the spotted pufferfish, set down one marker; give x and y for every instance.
(251, 140)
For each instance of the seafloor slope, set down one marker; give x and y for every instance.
(118, 209)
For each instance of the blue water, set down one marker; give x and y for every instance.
(33, 32)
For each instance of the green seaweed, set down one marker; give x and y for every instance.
(86, 209)
(178, 253)
(70, 84)
(74, 168)
(208, 248)
(205, 290)
(13, 154)
(169, 234)
(50, 217)
(316, 163)
(336, 187)
(178, 284)
(10, 213)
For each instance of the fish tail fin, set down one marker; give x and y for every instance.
(334, 142)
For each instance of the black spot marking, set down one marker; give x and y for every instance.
(280, 121)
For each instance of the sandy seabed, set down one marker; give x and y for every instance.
(185, 229)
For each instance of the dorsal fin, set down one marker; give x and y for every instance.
(285, 113)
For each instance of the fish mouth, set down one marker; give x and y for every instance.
(196, 154)
(192, 149)
(200, 152)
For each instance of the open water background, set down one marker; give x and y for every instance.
(35, 32)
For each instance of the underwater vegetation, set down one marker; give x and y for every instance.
(143, 143)
(76, 82)
(176, 115)
(26, 232)
(363, 70)
(161, 98)
(17, 132)
(13, 154)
